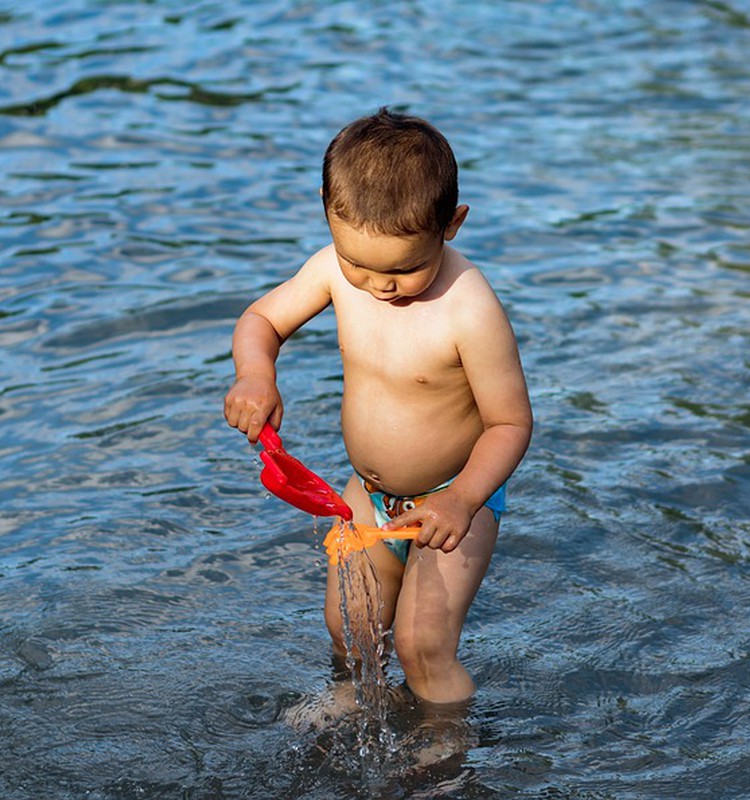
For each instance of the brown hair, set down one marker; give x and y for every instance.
(391, 174)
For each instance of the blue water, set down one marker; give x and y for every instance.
(158, 613)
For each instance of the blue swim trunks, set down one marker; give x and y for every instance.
(388, 506)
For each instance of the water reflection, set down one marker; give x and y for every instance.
(159, 616)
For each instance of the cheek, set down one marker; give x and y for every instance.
(414, 284)
(352, 276)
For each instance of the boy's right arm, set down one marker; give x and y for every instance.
(254, 397)
(258, 336)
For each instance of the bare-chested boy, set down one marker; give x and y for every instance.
(435, 412)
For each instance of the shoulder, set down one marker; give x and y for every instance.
(293, 302)
(316, 275)
(474, 305)
(320, 264)
(467, 288)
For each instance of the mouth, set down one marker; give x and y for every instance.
(385, 298)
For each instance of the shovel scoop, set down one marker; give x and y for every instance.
(346, 538)
(291, 481)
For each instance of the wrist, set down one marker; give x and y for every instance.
(466, 498)
(260, 369)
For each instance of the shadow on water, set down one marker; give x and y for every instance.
(160, 618)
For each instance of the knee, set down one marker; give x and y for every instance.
(422, 649)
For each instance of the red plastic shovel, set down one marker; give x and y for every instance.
(291, 481)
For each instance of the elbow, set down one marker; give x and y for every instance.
(525, 431)
(525, 428)
(253, 322)
(529, 427)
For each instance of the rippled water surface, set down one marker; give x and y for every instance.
(159, 615)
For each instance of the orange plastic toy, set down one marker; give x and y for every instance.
(350, 537)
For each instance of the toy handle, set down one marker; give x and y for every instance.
(269, 438)
(399, 533)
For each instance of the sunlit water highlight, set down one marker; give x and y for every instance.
(159, 616)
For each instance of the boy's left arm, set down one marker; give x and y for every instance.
(489, 355)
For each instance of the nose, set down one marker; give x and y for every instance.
(382, 284)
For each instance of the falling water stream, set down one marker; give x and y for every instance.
(365, 641)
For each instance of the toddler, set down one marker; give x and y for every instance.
(435, 412)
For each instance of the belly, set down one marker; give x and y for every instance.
(408, 443)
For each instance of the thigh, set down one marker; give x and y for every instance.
(438, 588)
(386, 567)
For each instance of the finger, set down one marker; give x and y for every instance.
(235, 412)
(276, 417)
(425, 534)
(438, 539)
(450, 543)
(230, 414)
(408, 518)
(254, 428)
(237, 419)
(252, 421)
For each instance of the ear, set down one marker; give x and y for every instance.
(456, 222)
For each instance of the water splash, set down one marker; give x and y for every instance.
(365, 639)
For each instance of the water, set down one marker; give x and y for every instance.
(361, 606)
(158, 614)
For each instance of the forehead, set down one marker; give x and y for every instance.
(381, 252)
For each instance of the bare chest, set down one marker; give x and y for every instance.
(412, 344)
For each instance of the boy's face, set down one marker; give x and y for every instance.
(390, 268)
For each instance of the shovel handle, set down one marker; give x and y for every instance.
(399, 533)
(269, 438)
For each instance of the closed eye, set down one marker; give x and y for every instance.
(408, 270)
(403, 271)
